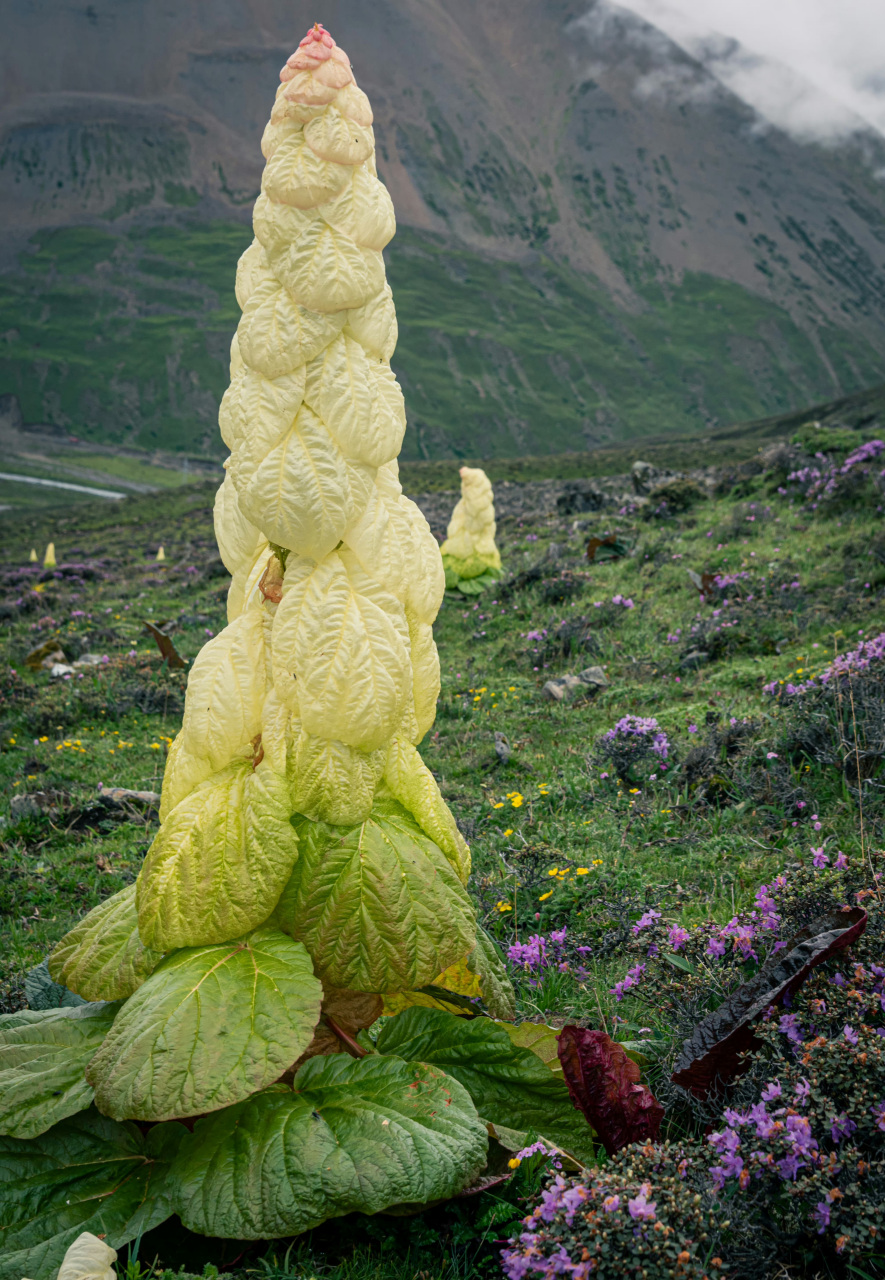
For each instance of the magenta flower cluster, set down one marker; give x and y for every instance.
(640, 727)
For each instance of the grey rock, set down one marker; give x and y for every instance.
(644, 476)
(579, 495)
(569, 688)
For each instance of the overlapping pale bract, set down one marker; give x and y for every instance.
(469, 551)
(311, 699)
(307, 872)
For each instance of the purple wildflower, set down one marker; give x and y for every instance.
(640, 1207)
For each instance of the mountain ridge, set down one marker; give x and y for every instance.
(571, 147)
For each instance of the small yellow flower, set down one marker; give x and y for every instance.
(597, 862)
(582, 871)
(554, 871)
(509, 831)
(505, 906)
(499, 805)
(44, 739)
(155, 746)
(634, 791)
(517, 802)
(545, 896)
(514, 1163)
(512, 689)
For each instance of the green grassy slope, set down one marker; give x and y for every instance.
(555, 838)
(123, 337)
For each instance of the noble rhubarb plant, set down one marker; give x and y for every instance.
(307, 875)
(471, 560)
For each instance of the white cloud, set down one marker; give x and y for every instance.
(813, 67)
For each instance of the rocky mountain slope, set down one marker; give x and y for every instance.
(598, 239)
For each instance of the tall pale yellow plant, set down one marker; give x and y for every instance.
(307, 872)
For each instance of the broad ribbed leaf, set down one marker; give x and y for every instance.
(184, 771)
(252, 270)
(509, 1086)
(302, 492)
(42, 992)
(354, 1136)
(209, 1027)
(43, 1059)
(333, 137)
(297, 176)
(345, 654)
(359, 400)
(277, 336)
(377, 905)
(257, 406)
(226, 690)
(425, 674)
(606, 1088)
(103, 957)
(374, 324)
(363, 211)
(412, 784)
(219, 861)
(87, 1173)
(328, 781)
(377, 542)
(719, 1046)
(238, 539)
(325, 270)
(541, 1039)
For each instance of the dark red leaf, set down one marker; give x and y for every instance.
(610, 548)
(713, 1054)
(165, 645)
(604, 1085)
(703, 581)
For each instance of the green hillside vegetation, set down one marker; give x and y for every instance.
(562, 836)
(122, 337)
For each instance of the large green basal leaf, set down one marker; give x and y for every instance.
(377, 905)
(354, 1135)
(219, 861)
(103, 958)
(509, 1085)
(43, 1059)
(210, 1026)
(87, 1173)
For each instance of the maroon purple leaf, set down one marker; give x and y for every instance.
(714, 1052)
(604, 1086)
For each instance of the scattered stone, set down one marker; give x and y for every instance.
(679, 494)
(121, 795)
(644, 477)
(32, 804)
(571, 688)
(60, 669)
(45, 655)
(579, 495)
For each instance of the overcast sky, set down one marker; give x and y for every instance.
(837, 45)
